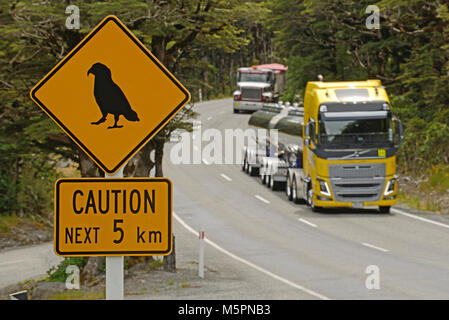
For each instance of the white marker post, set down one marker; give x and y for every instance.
(201, 257)
(114, 265)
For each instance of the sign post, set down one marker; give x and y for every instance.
(115, 273)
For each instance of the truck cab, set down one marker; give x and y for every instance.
(349, 141)
(258, 85)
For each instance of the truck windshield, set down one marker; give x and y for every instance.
(355, 133)
(254, 77)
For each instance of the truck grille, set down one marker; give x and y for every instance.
(357, 182)
(251, 94)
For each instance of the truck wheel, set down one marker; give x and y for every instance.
(384, 209)
(252, 170)
(244, 164)
(310, 202)
(267, 180)
(273, 184)
(235, 111)
(288, 190)
(294, 191)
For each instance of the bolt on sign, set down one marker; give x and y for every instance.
(110, 94)
(107, 217)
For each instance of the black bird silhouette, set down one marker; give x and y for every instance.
(110, 98)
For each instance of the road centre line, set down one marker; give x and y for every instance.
(420, 218)
(225, 177)
(210, 118)
(250, 264)
(307, 222)
(262, 199)
(374, 247)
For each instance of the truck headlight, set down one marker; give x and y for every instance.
(324, 187)
(389, 189)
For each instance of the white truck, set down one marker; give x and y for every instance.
(258, 85)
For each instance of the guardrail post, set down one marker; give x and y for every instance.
(201, 256)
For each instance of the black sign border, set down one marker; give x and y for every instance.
(112, 253)
(152, 58)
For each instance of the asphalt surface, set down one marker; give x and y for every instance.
(26, 263)
(323, 255)
(261, 246)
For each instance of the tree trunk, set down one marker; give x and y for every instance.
(158, 157)
(88, 168)
(90, 274)
(170, 260)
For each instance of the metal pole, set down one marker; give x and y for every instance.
(201, 257)
(114, 265)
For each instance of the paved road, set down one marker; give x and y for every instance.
(311, 255)
(26, 263)
(321, 254)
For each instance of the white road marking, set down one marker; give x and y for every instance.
(374, 247)
(262, 199)
(252, 265)
(10, 262)
(209, 118)
(225, 177)
(420, 218)
(307, 222)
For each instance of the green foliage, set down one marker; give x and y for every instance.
(58, 274)
(197, 40)
(409, 53)
(439, 178)
(203, 43)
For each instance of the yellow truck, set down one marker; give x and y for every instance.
(349, 142)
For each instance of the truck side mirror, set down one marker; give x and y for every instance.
(307, 134)
(398, 133)
(307, 141)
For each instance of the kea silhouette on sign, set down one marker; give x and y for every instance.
(110, 98)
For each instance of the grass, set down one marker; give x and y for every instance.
(438, 179)
(79, 295)
(417, 202)
(431, 194)
(156, 264)
(8, 223)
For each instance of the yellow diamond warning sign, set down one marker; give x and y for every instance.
(107, 217)
(110, 94)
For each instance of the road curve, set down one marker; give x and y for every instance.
(331, 253)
